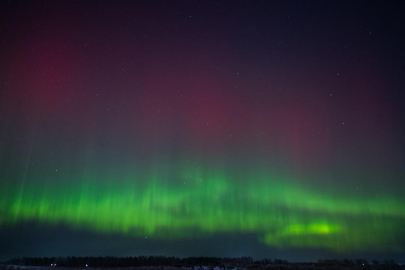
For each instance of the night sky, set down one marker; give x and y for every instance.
(202, 128)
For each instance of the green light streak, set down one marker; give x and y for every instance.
(280, 211)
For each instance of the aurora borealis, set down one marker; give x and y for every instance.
(202, 129)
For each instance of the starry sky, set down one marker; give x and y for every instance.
(202, 128)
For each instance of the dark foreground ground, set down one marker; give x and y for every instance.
(190, 263)
(290, 266)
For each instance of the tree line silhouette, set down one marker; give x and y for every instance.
(110, 261)
(210, 263)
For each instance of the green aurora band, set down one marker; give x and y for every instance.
(277, 208)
